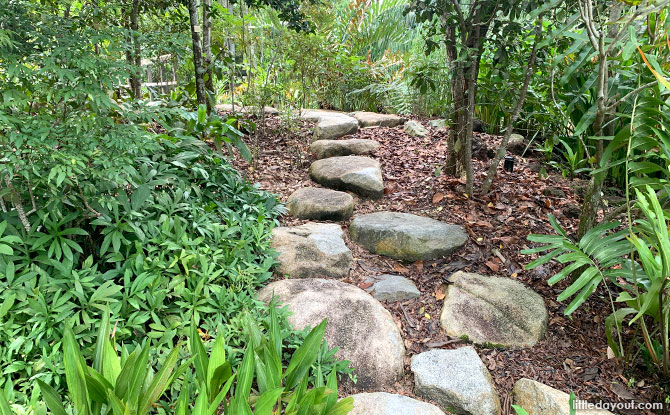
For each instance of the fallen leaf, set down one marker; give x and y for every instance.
(400, 268)
(441, 292)
(493, 265)
(438, 197)
(365, 285)
(419, 265)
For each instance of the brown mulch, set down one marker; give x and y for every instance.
(573, 354)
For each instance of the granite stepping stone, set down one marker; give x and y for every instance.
(456, 380)
(363, 330)
(316, 203)
(361, 175)
(493, 310)
(312, 250)
(405, 236)
(392, 288)
(333, 148)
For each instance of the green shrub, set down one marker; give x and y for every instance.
(159, 227)
(123, 384)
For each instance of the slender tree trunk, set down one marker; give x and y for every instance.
(133, 59)
(592, 198)
(530, 68)
(135, 26)
(207, 50)
(197, 53)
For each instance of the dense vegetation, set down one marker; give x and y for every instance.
(111, 195)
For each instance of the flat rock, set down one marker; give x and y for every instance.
(405, 236)
(414, 128)
(539, 399)
(382, 403)
(333, 148)
(315, 203)
(392, 288)
(362, 329)
(312, 250)
(456, 380)
(247, 110)
(373, 119)
(495, 310)
(330, 124)
(438, 124)
(361, 175)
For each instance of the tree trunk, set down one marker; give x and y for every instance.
(197, 53)
(207, 51)
(486, 186)
(133, 58)
(592, 198)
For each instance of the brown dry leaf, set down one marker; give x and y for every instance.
(418, 265)
(365, 285)
(441, 292)
(438, 197)
(493, 265)
(400, 268)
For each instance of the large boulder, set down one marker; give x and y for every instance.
(373, 119)
(405, 236)
(333, 148)
(330, 124)
(414, 128)
(456, 380)
(392, 288)
(312, 250)
(315, 203)
(361, 175)
(539, 399)
(495, 310)
(362, 329)
(382, 403)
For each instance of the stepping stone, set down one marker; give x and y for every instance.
(382, 403)
(406, 237)
(361, 175)
(362, 329)
(372, 119)
(334, 148)
(438, 124)
(312, 250)
(539, 399)
(247, 110)
(315, 203)
(415, 129)
(494, 310)
(456, 380)
(330, 124)
(392, 288)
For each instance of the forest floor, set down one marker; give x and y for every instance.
(573, 354)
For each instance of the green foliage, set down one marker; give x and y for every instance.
(123, 385)
(601, 257)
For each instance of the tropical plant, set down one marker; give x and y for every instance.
(122, 384)
(602, 256)
(261, 381)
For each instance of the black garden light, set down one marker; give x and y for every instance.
(509, 163)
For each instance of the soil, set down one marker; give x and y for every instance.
(573, 354)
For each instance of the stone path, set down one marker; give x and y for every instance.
(490, 310)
